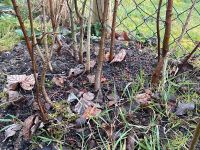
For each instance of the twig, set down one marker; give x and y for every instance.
(101, 48)
(158, 28)
(113, 31)
(188, 57)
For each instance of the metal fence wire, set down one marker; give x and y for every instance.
(138, 18)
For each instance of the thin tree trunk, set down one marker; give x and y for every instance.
(74, 45)
(158, 28)
(88, 37)
(113, 31)
(195, 138)
(159, 68)
(101, 48)
(55, 20)
(47, 57)
(31, 53)
(81, 17)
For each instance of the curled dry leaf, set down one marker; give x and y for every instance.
(83, 104)
(88, 96)
(123, 36)
(27, 125)
(91, 112)
(183, 107)
(77, 70)
(11, 130)
(143, 99)
(72, 97)
(119, 57)
(26, 82)
(91, 79)
(59, 81)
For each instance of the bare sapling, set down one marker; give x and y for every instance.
(101, 48)
(158, 28)
(71, 8)
(81, 18)
(195, 138)
(55, 21)
(157, 72)
(47, 55)
(113, 31)
(32, 56)
(89, 36)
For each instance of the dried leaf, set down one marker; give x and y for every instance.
(26, 82)
(27, 125)
(119, 57)
(59, 81)
(12, 130)
(91, 112)
(14, 96)
(91, 79)
(72, 97)
(143, 98)
(124, 36)
(77, 70)
(82, 105)
(88, 96)
(183, 107)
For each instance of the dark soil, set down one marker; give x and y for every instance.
(137, 63)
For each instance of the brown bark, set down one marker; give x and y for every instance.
(74, 45)
(46, 57)
(159, 68)
(31, 53)
(167, 28)
(88, 37)
(55, 21)
(81, 18)
(113, 31)
(158, 28)
(195, 138)
(101, 48)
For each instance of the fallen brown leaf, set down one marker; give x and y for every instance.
(119, 57)
(88, 96)
(26, 82)
(11, 130)
(91, 79)
(91, 112)
(27, 125)
(59, 81)
(83, 104)
(123, 36)
(143, 99)
(77, 70)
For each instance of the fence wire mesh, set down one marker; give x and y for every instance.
(138, 18)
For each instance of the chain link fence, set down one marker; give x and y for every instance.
(138, 18)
